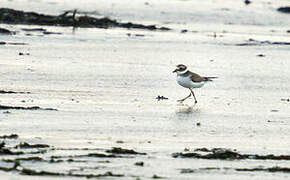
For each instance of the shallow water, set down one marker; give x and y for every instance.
(104, 84)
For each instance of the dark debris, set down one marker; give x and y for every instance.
(161, 98)
(25, 145)
(255, 169)
(118, 150)
(285, 99)
(4, 31)
(12, 92)
(252, 42)
(4, 107)
(11, 136)
(284, 9)
(10, 16)
(226, 154)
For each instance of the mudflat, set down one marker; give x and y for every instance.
(101, 102)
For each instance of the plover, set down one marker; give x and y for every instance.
(190, 80)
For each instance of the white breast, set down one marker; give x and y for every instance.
(186, 82)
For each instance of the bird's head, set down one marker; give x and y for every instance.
(180, 69)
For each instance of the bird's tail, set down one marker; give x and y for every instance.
(209, 78)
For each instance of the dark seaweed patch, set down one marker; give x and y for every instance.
(155, 176)
(24, 159)
(32, 172)
(6, 169)
(22, 54)
(11, 136)
(4, 107)
(6, 151)
(2, 144)
(185, 171)
(285, 99)
(222, 154)
(141, 163)
(227, 154)
(271, 169)
(12, 92)
(261, 55)
(97, 155)
(23, 156)
(25, 145)
(76, 149)
(12, 43)
(48, 32)
(256, 169)
(284, 9)
(117, 150)
(33, 29)
(68, 18)
(100, 155)
(252, 42)
(5, 31)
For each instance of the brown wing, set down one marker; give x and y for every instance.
(195, 77)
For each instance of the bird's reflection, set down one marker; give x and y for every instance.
(187, 109)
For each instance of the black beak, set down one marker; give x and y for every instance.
(175, 71)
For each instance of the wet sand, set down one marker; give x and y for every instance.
(103, 84)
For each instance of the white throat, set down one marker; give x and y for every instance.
(181, 72)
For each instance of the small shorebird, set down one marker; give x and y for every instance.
(189, 80)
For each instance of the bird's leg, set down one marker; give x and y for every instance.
(195, 101)
(181, 100)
